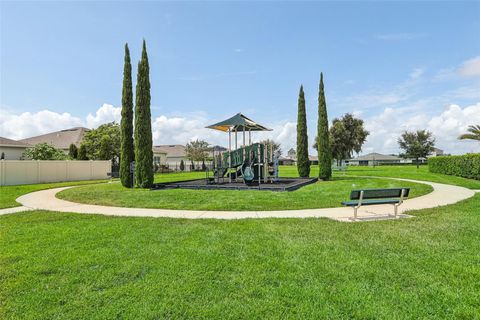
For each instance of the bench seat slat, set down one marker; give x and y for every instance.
(370, 202)
(379, 193)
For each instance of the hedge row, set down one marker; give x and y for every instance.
(467, 166)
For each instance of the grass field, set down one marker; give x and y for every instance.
(72, 266)
(319, 195)
(411, 172)
(8, 194)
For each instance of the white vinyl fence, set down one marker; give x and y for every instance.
(14, 172)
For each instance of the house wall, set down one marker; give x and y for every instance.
(15, 172)
(160, 158)
(12, 153)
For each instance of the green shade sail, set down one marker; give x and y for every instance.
(238, 123)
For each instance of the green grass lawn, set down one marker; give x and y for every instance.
(8, 194)
(319, 195)
(411, 172)
(72, 266)
(178, 176)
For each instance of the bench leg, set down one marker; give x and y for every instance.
(355, 213)
(395, 210)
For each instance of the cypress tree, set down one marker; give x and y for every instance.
(324, 151)
(303, 163)
(126, 124)
(82, 153)
(73, 151)
(143, 125)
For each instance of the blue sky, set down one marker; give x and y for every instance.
(418, 62)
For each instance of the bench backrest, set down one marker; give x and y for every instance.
(379, 193)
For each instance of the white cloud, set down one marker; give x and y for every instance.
(467, 69)
(106, 113)
(416, 73)
(402, 36)
(386, 127)
(27, 124)
(470, 68)
(180, 130)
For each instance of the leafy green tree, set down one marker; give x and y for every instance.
(204, 166)
(126, 124)
(418, 144)
(82, 152)
(73, 151)
(270, 143)
(43, 151)
(2, 157)
(347, 135)
(473, 133)
(143, 125)
(103, 143)
(303, 163)
(197, 150)
(323, 141)
(182, 165)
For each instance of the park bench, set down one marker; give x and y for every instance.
(366, 197)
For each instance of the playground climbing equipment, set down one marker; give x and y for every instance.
(253, 163)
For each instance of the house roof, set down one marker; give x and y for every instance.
(375, 157)
(5, 142)
(238, 123)
(60, 139)
(172, 150)
(217, 148)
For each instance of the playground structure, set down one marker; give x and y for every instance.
(253, 164)
(243, 166)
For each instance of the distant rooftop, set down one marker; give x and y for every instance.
(5, 142)
(172, 150)
(375, 157)
(60, 139)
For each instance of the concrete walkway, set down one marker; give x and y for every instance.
(442, 194)
(14, 210)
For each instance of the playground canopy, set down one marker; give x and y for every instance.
(238, 123)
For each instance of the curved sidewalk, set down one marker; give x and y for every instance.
(441, 195)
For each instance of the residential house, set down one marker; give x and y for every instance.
(372, 159)
(60, 139)
(174, 154)
(436, 152)
(12, 149)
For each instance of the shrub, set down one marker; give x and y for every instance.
(43, 151)
(467, 166)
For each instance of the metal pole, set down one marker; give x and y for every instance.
(265, 169)
(229, 154)
(259, 169)
(244, 137)
(249, 137)
(236, 142)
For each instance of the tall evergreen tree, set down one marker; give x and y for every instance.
(303, 163)
(126, 124)
(73, 151)
(82, 152)
(324, 150)
(143, 125)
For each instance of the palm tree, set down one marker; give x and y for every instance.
(473, 135)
